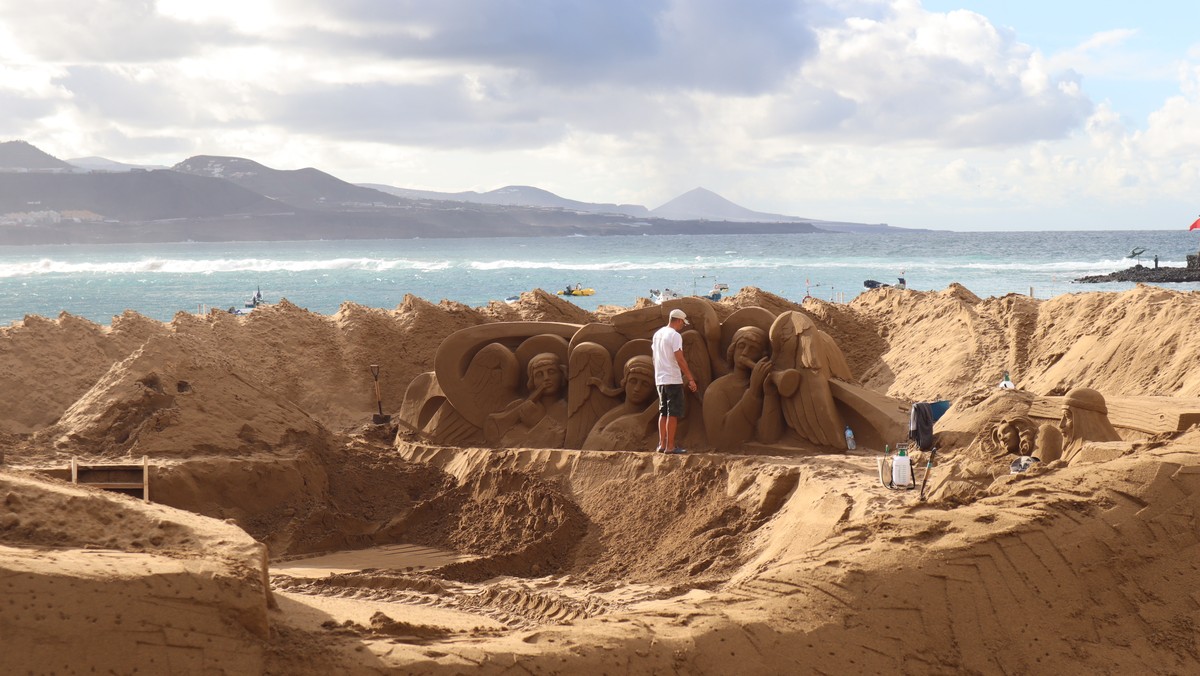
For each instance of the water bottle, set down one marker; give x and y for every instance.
(1007, 383)
(849, 438)
(901, 469)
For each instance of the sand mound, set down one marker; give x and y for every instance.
(537, 306)
(121, 582)
(173, 397)
(51, 363)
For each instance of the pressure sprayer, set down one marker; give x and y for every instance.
(896, 471)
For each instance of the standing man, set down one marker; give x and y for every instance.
(670, 368)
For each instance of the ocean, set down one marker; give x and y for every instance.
(158, 280)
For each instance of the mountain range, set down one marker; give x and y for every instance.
(44, 200)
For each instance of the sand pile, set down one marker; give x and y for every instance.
(90, 575)
(597, 561)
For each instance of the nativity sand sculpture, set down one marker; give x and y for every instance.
(766, 383)
(1083, 419)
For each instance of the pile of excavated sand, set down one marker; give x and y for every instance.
(591, 561)
(95, 581)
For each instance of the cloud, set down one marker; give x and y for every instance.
(709, 45)
(949, 79)
(89, 31)
(800, 101)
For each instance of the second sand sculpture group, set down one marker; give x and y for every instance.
(1084, 419)
(772, 381)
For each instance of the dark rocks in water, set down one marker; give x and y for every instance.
(1141, 273)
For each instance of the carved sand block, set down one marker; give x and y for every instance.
(789, 387)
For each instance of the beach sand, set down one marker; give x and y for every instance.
(289, 535)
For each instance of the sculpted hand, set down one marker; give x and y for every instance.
(758, 375)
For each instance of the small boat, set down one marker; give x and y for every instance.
(716, 292)
(512, 299)
(250, 305)
(657, 297)
(576, 290)
(901, 283)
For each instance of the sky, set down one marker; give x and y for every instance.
(943, 114)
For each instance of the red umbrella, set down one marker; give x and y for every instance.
(1195, 225)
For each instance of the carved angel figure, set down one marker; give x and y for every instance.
(744, 403)
(631, 425)
(539, 420)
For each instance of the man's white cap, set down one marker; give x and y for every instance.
(678, 314)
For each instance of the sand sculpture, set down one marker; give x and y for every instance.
(632, 424)
(1084, 418)
(769, 380)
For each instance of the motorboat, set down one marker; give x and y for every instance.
(576, 290)
(717, 291)
(249, 306)
(658, 297)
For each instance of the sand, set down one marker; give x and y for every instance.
(289, 535)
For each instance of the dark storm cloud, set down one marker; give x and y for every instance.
(103, 30)
(713, 45)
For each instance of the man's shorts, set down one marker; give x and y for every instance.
(670, 400)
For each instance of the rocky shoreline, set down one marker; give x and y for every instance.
(1141, 273)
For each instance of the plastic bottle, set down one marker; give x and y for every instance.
(849, 438)
(901, 469)
(1006, 384)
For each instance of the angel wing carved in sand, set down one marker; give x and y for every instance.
(805, 359)
(589, 390)
(492, 378)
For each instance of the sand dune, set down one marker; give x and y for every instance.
(554, 561)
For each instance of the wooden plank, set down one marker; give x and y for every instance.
(109, 476)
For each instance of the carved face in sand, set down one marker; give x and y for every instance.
(1085, 418)
(749, 344)
(545, 373)
(1066, 422)
(1008, 436)
(639, 380)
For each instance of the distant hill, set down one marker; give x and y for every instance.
(135, 196)
(20, 156)
(308, 188)
(708, 205)
(44, 200)
(515, 195)
(103, 164)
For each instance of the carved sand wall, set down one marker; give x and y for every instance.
(766, 383)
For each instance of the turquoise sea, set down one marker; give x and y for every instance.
(159, 280)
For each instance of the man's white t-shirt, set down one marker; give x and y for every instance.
(666, 343)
